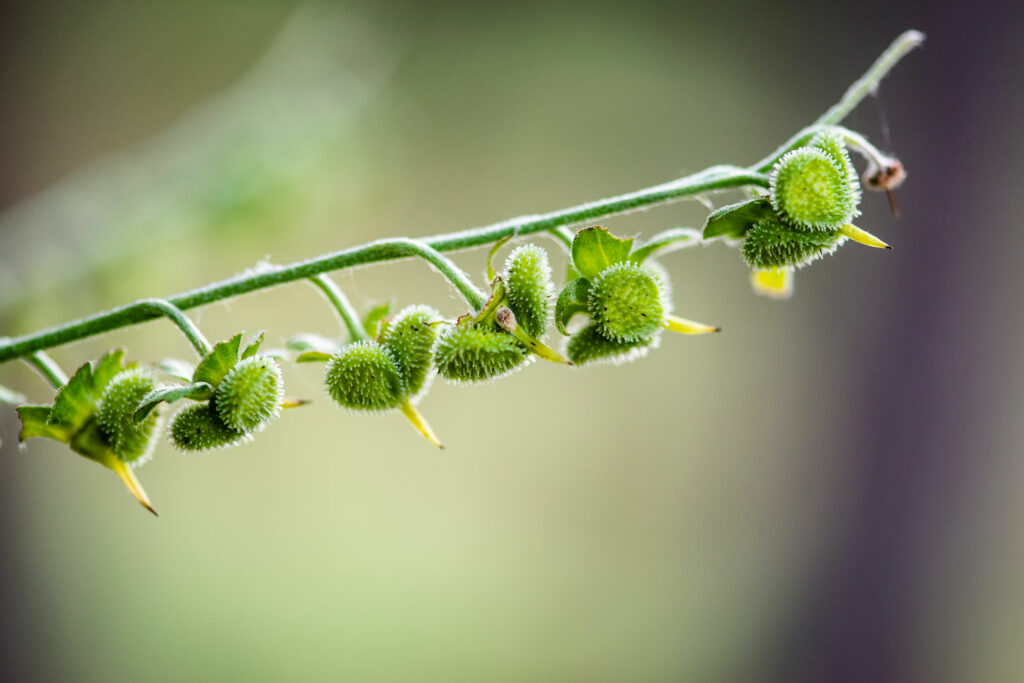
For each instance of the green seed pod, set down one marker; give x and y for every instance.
(528, 278)
(364, 376)
(133, 442)
(810, 191)
(410, 338)
(250, 394)
(772, 244)
(198, 427)
(832, 145)
(472, 353)
(590, 346)
(627, 301)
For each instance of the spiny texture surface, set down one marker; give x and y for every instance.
(627, 302)
(364, 376)
(250, 394)
(410, 338)
(773, 244)
(132, 442)
(471, 353)
(810, 191)
(832, 145)
(590, 346)
(198, 427)
(528, 277)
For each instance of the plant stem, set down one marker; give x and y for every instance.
(158, 307)
(48, 368)
(347, 313)
(854, 95)
(714, 178)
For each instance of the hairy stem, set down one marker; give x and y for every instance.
(48, 368)
(347, 313)
(158, 307)
(714, 178)
(854, 95)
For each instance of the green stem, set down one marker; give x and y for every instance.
(854, 95)
(714, 178)
(868, 83)
(349, 316)
(564, 236)
(161, 307)
(853, 139)
(48, 368)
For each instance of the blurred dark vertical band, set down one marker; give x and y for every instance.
(919, 425)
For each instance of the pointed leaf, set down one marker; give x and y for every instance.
(106, 369)
(218, 362)
(176, 368)
(734, 220)
(35, 422)
(11, 397)
(197, 391)
(76, 401)
(312, 342)
(314, 357)
(373, 319)
(594, 249)
(571, 300)
(254, 346)
(662, 241)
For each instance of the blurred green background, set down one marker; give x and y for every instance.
(827, 491)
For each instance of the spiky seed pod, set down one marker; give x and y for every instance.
(198, 427)
(133, 442)
(250, 394)
(773, 244)
(627, 302)
(590, 346)
(528, 278)
(832, 144)
(810, 191)
(365, 376)
(472, 353)
(410, 338)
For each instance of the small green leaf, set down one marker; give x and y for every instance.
(197, 391)
(76, 401)
(35, 422)
(314, 357)
(594, 249)
(571, 300)
(107, 368)
(663, 240)
(253, 347)
(374, 318)
(11, 397)
(491, 272)
(312, 342)
(218, 362)
(176, 367)
(734, 220)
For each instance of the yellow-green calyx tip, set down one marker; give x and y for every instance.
(862, 236)
(127, 477)
(683, 326)
(776, 283)
(419, 423)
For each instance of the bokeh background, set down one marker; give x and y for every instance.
(827, 491)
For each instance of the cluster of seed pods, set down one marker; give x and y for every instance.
(110, 411)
